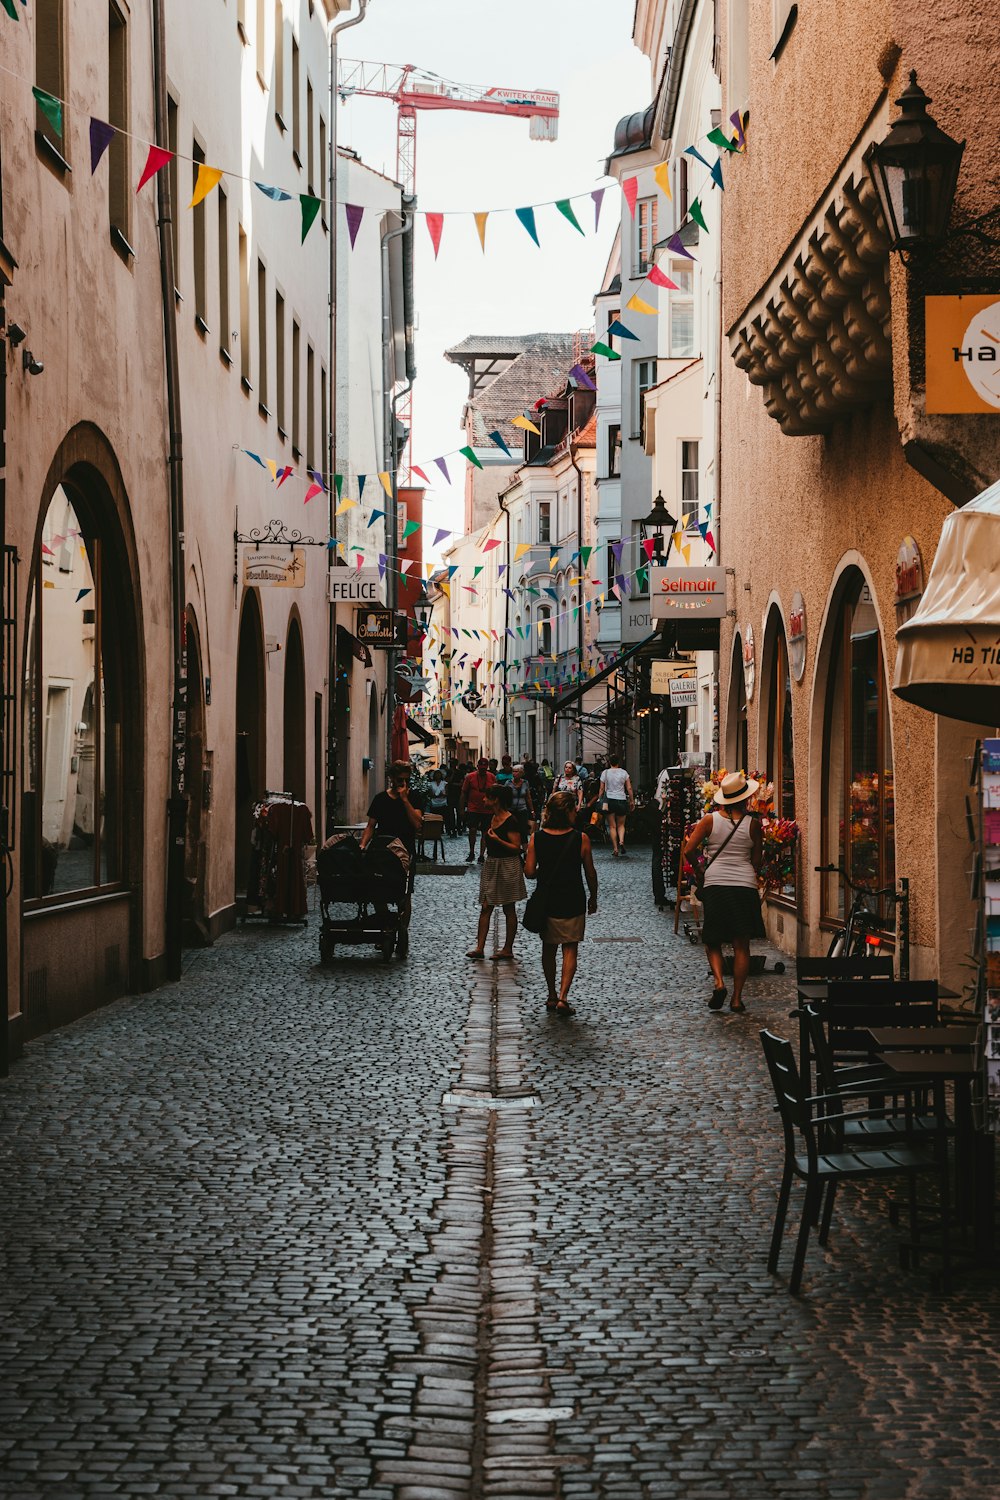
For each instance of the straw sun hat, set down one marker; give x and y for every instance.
(735, 788)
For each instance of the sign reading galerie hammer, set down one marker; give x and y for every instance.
(679, 593)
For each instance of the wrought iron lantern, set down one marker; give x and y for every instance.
(915, 172)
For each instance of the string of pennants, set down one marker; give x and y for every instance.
(102, 134)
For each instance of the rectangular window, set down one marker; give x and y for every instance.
(310, 140)
(310, 407)
(296, 388)
(545, 521)
(644, 236)
(245, 311)
(279, 360)
(225, 331)
(323, 185)
(683, 190)
(614, 568)
(119, 193)
(279, 63)
(689, 480)
(262, 338)
(682, 343)
(296, 104)
(50, 69)
(643, 376)
(172, 170)
(614, 450)
(200, 247)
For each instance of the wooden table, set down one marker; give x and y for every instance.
(933, 1038)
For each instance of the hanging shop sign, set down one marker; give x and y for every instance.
(797, 637)
(909, 576)
(963, 354)
(471, 700)
(364, 586)
(749, 661)
(274, 567)
(684, 692)
(381, 627)
(686, 593)
(662, 673)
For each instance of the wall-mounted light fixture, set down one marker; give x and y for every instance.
(16, 334)
(915, 172)
(31, 364)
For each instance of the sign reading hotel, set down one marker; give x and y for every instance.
(687, 593)
(274, 567)
(364, 586)
(963, 354)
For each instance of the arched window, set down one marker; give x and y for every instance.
(780, 757)
(74, 709)
(858, 815)
(737, 733)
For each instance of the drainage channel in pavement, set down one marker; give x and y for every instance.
(482, 1418)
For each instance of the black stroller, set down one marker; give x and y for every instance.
(372, 881)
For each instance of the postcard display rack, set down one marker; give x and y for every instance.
(987, 879)
(683, 805)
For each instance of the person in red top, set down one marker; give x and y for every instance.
(475, 808)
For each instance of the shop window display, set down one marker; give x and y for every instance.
(780, 749)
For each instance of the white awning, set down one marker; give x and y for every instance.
(948, 656)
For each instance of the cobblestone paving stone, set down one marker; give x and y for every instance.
(248, 1251)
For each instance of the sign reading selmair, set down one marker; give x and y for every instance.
(680, 593)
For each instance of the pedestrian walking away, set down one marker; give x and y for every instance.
(502, 880)
(457, 772)
(398, 815)
(570, 782)
(733, 845)
(559, 856)
(618, 800)
(474, 808)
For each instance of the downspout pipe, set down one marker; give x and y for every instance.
(506, 634)
(389, 459)
(330, 455)
(177, 804)
(580, 545)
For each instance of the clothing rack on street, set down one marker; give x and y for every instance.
(683, 805)
(281, 830)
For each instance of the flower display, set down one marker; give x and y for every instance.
(777, 871)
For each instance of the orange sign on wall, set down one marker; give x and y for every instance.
(963, 354)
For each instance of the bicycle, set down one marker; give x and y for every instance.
(861, 934)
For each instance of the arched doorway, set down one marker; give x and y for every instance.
(374, 779)
(737, 727)
(251, 726)
(295, 714)
(194, 768)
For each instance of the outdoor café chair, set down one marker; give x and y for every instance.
(822, 1170)
(887, 1120)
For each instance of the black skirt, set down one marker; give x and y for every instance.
(731, 911)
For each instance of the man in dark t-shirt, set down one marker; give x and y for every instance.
(395, 814)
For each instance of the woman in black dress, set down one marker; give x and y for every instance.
(560, 855)
(734, 845)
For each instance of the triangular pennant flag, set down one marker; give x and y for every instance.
(101, 136)
(618, 329)
(445, 588)
(444, 468)
(527, 425)
(312, 492)
(284, 474)
(659, 278)
(423, 476)
(8, 6)
(435, 224)
(521, 549)
(361, 484)
(501, 570)
(208, 178)
(375, 516)
(440, 535)
(408, 530)
(338, 480)
(581, 377)
(604, 349)
(310, 208)
(686, 552)
(82, 594)
(703, 528)
(481, 228)
(697, 214)
(678, 538)
(470, 454)
(710, 539)
(719, 138)
(648, 546)
(630, 187)
(477, 570)
(677, 245)
(598, 197)
(276, 194)
(272, 468)
(360, 557)
(736, 119)
(565, 207)
(495, 437)
(386, 481)
(717, 174)
(316, 477)
(382, 560)
(693, 151)
(345, 504)
(661, 175)
(493, 542)
(585, 555)
(256, 458)
(452, 569)
(636, 304)
(51, 108)
(527, 218)
(355, 213)
(155, 162)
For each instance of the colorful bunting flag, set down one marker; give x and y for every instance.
(156, 160)
(346, 504)
(276, 194)
(51, 108)
(618, 329)
(101, 136)
(312, 492)
(659, 278)
(310, 208)
(697, 214)
(630, 187)
(719, 138)
(527, 425)
(375, 516)
(470, 454)
(661, 175)
(604, 349)
(408, 530)
(636, 304)
(581, 377)
(440, 535)
(338, 480)
(677, 245)
(361, 484)
(496, 438)
(435, 224)
(598, 197)
(208, 178)
(717, 174)
(284, 474)
(738, 121)
(355, 213)
(386, 482)
(527, 218)
(481, 228)
(493, 542)
(415, 470)
(521, 549)
(444, 468)
(9, 7)
(565, 207)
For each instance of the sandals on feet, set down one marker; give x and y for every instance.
(552, 1005)
(475, 953)
(500, 957)
(718, 998)
(738, 1008)
(565, 1009)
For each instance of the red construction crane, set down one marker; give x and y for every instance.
(411, 89)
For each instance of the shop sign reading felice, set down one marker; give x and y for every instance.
(363, 586)
(683, 593)
(274, 567)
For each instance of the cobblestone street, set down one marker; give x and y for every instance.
(263, 1237)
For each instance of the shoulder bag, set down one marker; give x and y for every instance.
(700, 865)
(535, 913)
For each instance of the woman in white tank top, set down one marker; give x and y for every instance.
(733, 846)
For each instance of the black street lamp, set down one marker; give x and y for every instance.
(423, 609)
(915, 172)
(658, 521)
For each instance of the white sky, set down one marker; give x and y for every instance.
(583, 50)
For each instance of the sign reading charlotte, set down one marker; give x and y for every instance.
(381, 627)
(687, 593)
(274, 567)
(963, 354)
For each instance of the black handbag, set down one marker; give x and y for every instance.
(535, 914)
